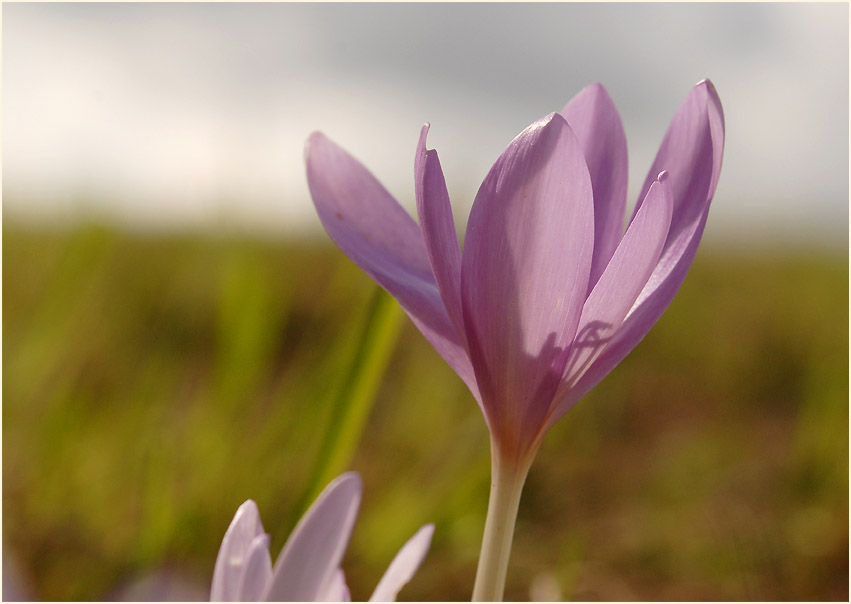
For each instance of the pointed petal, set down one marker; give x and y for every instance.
(597, 124)
(335, 590)
(229, 569)
(524, 273)
(314, 550)
(619, 286)
(691, 151)
(258, 570)
(376, 233)
(438, 228)
(403, 566)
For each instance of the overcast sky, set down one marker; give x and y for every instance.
(196, 114)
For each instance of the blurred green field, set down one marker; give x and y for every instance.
(152, 384)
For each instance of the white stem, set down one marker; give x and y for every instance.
(507, 479)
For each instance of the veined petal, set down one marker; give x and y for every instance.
(258, 570)
(233, 553)
(619, 285)
(378, 235)
(595, 121)
(691, 152)
(403, 566)
(524, 274)
(438, 228)
(314, 550)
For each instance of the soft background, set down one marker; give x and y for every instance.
(179, 334)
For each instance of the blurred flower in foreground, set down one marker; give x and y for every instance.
(550, 293)
(308, 568)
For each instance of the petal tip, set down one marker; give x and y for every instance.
(707, 87)
(553, 118)
(595, 93)
(248, 508)
(352, 479)
(316, 138)
(421, 145)
(597, 88)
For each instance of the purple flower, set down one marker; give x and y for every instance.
(550, 292)
(308, 568)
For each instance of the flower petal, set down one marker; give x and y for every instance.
(258, 570)
(314, 550)
(335, 590)
(378, 235)
(438, 228)
(619, 286)
(230, 562)
(403, 566)
(595, 121)
(691, 152)
(524, 274)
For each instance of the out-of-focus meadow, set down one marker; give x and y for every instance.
(153, 383)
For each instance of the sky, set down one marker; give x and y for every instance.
(158, 116)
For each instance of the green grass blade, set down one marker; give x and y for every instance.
(353, 399)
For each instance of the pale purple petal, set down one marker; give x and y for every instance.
(524, 274)
(616, 291)
(335, 590)
(691, 152)
(438, 228)
(257, 570)
(229, 569)
(378, 235)
(314, 550)
(403, 566)
(361, 216)
(595, 121)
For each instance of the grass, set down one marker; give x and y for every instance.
(152, 384)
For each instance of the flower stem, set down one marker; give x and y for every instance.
(507, 478)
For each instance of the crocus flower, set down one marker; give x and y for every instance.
(308, 568)
(550, 292)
